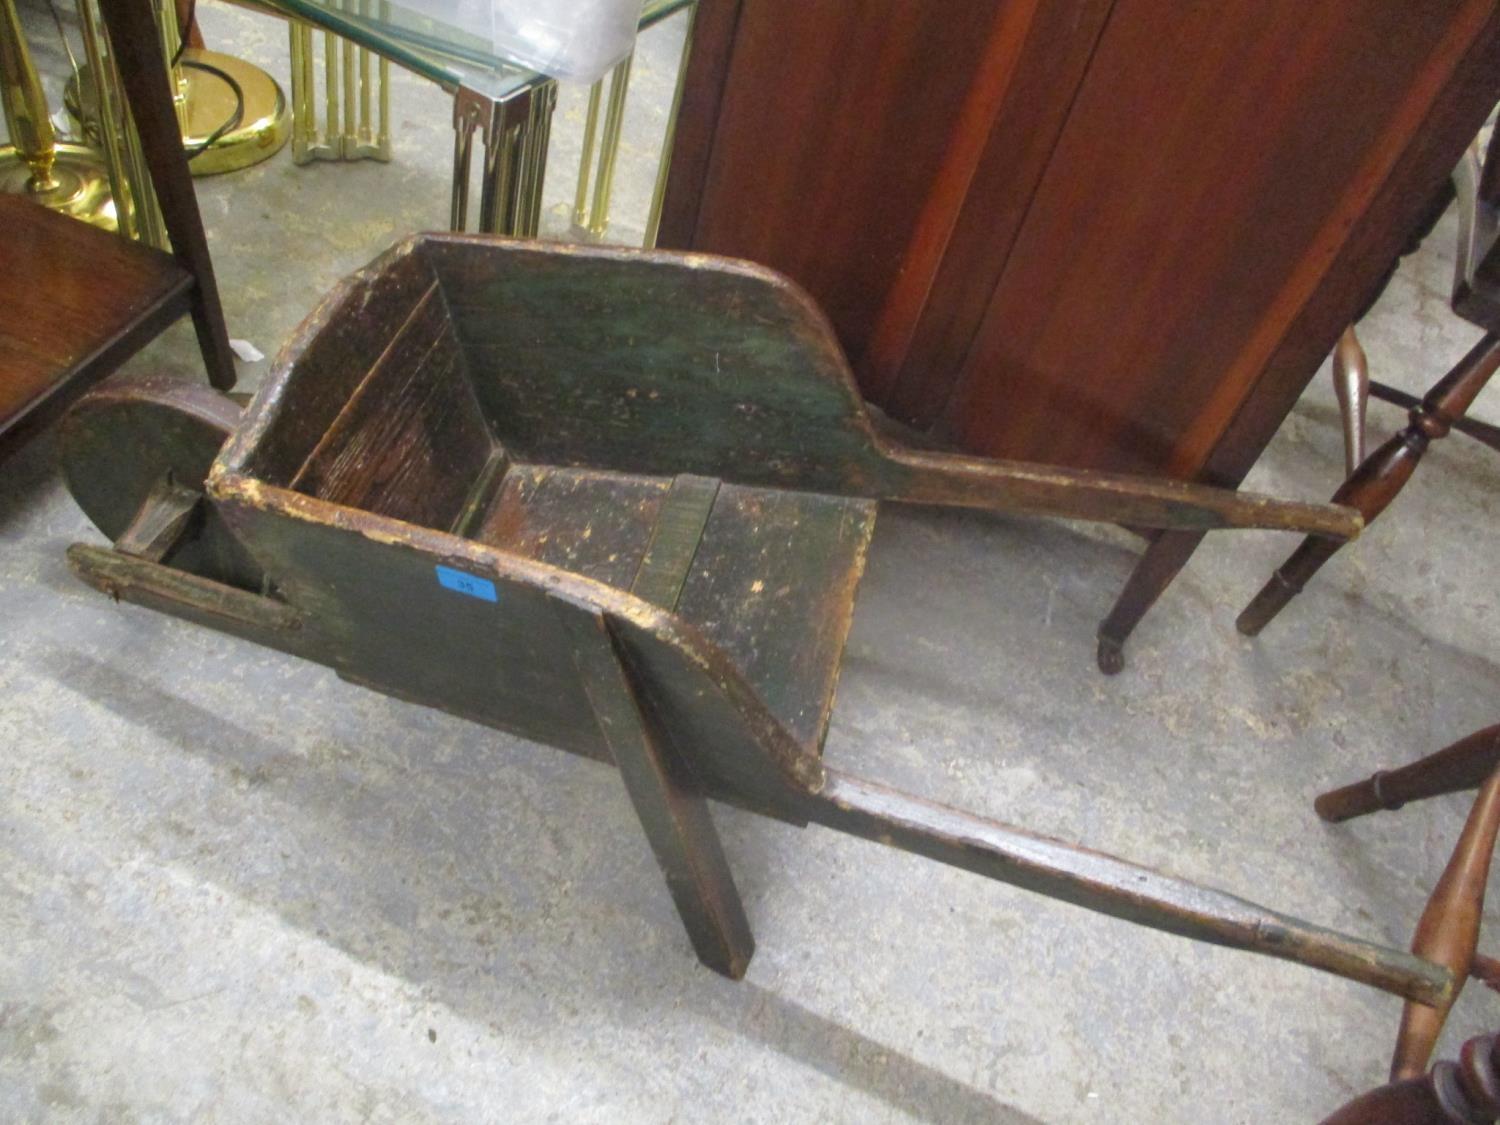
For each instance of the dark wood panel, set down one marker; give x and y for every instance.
(773, 585)
(835, 119)
(78, 301)
(591, 522)
(411, 441)
(1001, 145)
(1213, 164)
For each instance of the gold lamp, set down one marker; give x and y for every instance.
(208, 89)
(65, 177)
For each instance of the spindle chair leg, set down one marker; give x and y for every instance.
(1380, 477)
(1463, 765)
(1448, 932)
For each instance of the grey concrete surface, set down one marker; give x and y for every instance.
(236, 889)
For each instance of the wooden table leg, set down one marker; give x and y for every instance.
(1449, 930)
(1167, 554)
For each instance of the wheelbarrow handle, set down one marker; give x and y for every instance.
(1139, 501)
(1113, 886)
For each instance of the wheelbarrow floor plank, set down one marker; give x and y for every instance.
(771, 578)
(773, 584)
(587, 521)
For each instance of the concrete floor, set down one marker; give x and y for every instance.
(234, 888)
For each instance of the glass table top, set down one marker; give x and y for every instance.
(433, 48)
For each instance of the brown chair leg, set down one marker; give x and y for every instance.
(1449, 930)
(1463, 765)
(1379, 478)
(673, 814)
(1167, 554)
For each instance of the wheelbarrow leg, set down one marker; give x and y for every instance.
(673, 813)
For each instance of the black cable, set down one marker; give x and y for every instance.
(234, 119)
(183, 31)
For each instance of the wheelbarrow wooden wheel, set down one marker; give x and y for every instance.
(122, 441)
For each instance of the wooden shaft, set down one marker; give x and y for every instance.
(1112, 886)
(1449, 930)
(1167, 554)
(1048, 490)
(1472, 427)
(672, 812)
(1463, 765)
(132, 35)
(189, 596)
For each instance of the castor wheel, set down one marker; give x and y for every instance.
(124, 443)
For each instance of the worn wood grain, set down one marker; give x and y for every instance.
(671, 808)
(1112, 886)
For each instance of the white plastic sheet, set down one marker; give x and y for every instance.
(577, 40)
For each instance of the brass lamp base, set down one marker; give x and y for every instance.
(265, 123)
(81, 184)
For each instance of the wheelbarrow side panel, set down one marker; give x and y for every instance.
(333, 349)
(479, 638)
(461, 638)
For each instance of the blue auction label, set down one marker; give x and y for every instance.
(459, 582)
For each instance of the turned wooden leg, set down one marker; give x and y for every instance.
(672, 812)
(1449, 930)
(1167, 554)
(1351, 383)
(1379, 478)
(1463, 765)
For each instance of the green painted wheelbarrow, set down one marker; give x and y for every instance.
(617, 503)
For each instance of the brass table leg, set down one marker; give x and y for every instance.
(664, 165)
(357, 97)
(595, 216)
(586, 156)
(515, 133)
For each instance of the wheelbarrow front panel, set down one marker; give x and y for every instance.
(655, 364)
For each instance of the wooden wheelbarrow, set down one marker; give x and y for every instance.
(618, 503)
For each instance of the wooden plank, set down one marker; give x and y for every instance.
(593, 523)
(652, 363)
(335, 348)
(672, 810)
(674, 540)
(78, 303)
(161, 522)
(773, 585)
(410, 441)
(197, 599)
